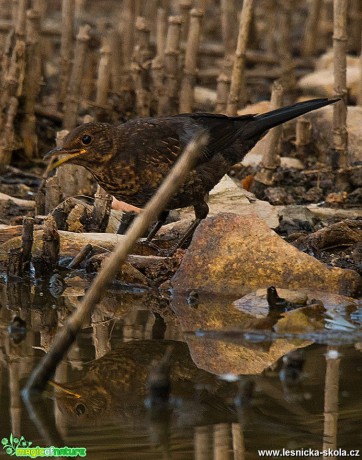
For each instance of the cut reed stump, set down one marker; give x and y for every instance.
(271, 159)
(66, 49)
(190, 70)
(340, 133)
(238, 84)
(72, 100)
(168, 101)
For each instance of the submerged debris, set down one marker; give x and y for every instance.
(278, 303)
(292, 368)
(17, 330)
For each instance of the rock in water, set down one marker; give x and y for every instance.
(234, 255)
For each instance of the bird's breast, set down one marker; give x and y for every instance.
(120, 179)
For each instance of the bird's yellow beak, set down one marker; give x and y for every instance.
(68, 155)
(60, 388)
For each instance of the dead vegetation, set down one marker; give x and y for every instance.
(71, 61)
(66, 62)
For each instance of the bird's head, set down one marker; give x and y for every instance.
(87, 145)
(82, 399)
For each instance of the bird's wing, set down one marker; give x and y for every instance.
(150, 140)
(160, 141)
(223, 130)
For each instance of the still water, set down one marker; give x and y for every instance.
(232, 395)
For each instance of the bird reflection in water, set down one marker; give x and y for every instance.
(116, 386)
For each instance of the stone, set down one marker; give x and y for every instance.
(291, 163)
(226, 196)
(334, 213)
(325, 61)
(237, 254)
(278, 196)
(299, 213)
(214, 313)
(314, 195)
(255, 303)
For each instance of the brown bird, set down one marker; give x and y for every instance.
(118, 384)
(131, 160)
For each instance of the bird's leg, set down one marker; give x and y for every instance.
(186, 238)
(201, 212)
(160, 221)
(126, 220)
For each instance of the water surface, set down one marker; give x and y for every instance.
(291, 391)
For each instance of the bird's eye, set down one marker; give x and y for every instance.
(86, 139)
(80, 409)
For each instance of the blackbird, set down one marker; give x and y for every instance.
(119, 382)
(274, 301)
(278, 303)
(131, 160)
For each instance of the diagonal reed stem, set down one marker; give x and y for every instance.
(66, 336)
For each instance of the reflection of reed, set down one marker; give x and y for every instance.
(15, 403)
(202, 443)
(331, 401)
(101, 336)
(238, 441)
(138, 324)
(17, 359)
(222, 441)
(49, 324)
(60, 376)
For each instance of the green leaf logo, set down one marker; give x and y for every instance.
(10, 445)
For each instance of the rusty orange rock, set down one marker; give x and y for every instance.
(234, 255)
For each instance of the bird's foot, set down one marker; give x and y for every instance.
(170, 252)
(151, 245)
(160, 252)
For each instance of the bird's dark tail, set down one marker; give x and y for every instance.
(264, 122)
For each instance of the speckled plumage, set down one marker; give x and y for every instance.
(117, 382)
(131, 160)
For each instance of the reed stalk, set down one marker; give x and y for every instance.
(340, 133)
(238, 74)
(66, 48)
(190, 69)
